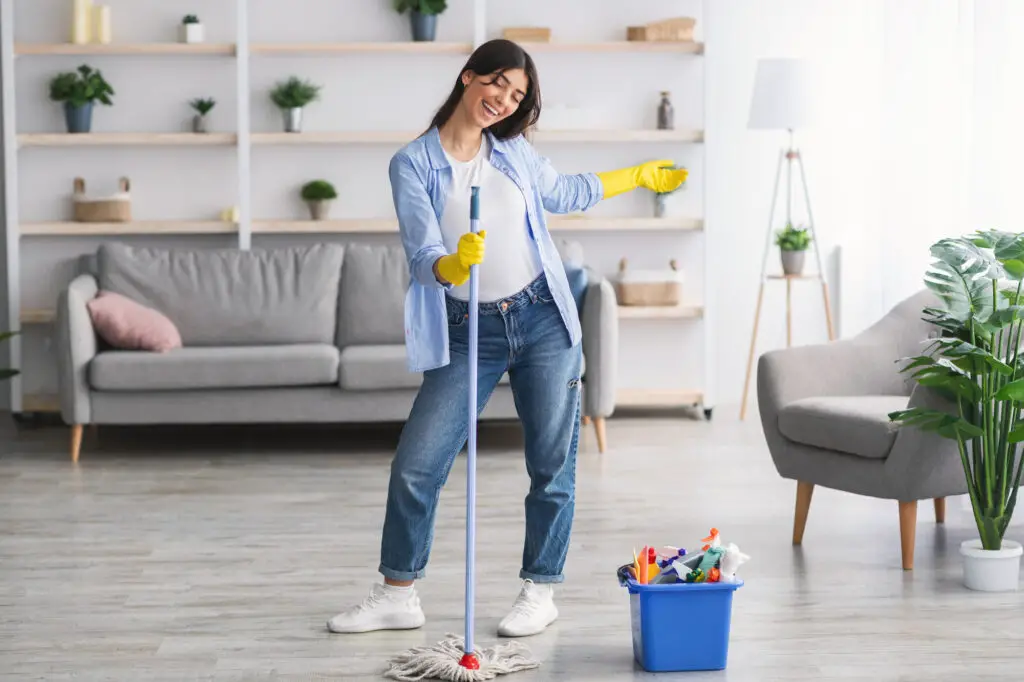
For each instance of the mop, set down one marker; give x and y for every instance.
(455, 658)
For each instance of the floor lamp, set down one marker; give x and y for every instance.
(782, 101)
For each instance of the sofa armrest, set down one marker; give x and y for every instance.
(924, 464)
(76, 347)
(600, 321)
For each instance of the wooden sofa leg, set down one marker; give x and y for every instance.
(602, 441)
(585, 420)
(908, 532)
(940, 510)
(804, 491)
(76, 441)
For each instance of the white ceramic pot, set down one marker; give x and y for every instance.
(191, 33)
(991, 570)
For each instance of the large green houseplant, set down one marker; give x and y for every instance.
(78, 91)
(6, 373)
(978, 364)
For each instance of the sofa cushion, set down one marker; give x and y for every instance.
(371, 304)
(855, 425)
(125, 324)
(229, 297)
(223, 367)
(378, 368)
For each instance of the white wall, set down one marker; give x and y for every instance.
(876, 161)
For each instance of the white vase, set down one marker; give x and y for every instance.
(991, 570)
(191, 33)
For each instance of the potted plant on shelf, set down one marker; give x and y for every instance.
(78, 91)
(291, 96)
(977, 364)
(660, 198)
(191, 29)
(423, 15)
(202, 107)
(793, 243)
(318, 195)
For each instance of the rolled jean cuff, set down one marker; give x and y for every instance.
(402, 576)
(523, 575)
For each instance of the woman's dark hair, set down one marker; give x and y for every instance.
(497, 56)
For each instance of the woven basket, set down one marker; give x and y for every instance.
(649, 287)
(116, 208)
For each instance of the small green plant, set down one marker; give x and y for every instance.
(793, 238)
(421, 6)
(318, 190)
(4, 372)
(203, 105)
(294, 93)
(81, 87)
(190, 19)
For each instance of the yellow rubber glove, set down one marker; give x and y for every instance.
(454, 267)
(653, 175)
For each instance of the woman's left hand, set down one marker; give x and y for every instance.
(657, 176)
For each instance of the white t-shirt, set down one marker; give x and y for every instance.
(511, 260)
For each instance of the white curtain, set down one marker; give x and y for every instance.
(952, 138)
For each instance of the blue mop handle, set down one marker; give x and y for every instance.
(474, 310)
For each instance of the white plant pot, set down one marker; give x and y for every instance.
(191, 33)
(991, 570)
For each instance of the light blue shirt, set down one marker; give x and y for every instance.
(420, 177)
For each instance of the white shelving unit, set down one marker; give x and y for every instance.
(242, 139)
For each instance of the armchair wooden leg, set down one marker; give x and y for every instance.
(908, 532)
(586, 420)
(804, 491)
(602, 441)
(940, 510)
(76, 441)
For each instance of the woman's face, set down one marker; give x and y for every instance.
(491, 97)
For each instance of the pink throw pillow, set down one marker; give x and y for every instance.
(128, 325)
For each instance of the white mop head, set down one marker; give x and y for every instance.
(441, 662)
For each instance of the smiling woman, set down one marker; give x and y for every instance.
(529, 325)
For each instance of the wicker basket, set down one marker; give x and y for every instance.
(527, 34)
(116, 208)
(649, 287)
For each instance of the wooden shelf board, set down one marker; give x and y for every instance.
(335, 137)
(657, 397)
(684, 47)
(793, 277)
(37, 316)
(125, 139)
(125, 49)
(556, 223)
(674, 312)
(343, 225)
(637, 135)
(403, 47)
(583, 224)
(139, 227)
(401, 137)
(42, 402)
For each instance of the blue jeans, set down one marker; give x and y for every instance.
(524, 335)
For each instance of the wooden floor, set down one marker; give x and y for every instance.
(217, 554)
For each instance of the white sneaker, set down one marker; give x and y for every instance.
(533, 611)
(386, 608)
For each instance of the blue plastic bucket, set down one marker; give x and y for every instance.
(681, 626)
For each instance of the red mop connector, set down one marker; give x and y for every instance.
(470, 662)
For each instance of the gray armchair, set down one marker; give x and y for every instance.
(824, 410)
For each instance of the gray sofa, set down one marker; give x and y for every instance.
(299, 334)
(824, 410)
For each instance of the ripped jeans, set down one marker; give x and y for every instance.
(524, 335)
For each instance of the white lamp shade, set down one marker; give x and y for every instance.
(782, 95)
